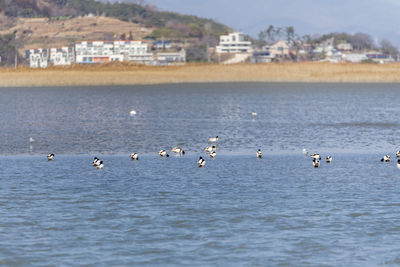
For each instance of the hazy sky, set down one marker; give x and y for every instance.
(379, 18)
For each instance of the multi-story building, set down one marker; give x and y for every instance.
(234, 43)
(62, 56)
(106, 51)
(37, 58)
(89, 52)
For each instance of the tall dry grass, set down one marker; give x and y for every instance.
(130, 74)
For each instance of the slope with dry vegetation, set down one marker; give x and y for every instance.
(49, 23)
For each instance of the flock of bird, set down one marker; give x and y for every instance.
(211, 151)
(316, 158)
(386, 158)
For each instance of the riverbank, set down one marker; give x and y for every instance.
(125, 74)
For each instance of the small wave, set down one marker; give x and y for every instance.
(358, 124)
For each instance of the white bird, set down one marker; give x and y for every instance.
(178, 150)
(210, 148)
(316, 156)
(305, 152)
(101, 165)
(385, 158)
(134, 156)
(398, 153)
(213, 139)
(201, 162)
(163, 153)
(315, 163)
(254, 114)
(328, 159)
(259, 153)
(213, 154)
(398, 164)
(133, 112)
(31, 140)
(50, 156)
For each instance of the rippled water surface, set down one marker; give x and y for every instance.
(236, 211)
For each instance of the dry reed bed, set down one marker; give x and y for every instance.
(126, 74)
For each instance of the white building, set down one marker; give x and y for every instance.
(233, 43)
(89, 52)
(171, 58)
(62, 56)
(354, 57)
(38, 58)
(345, 47)
(106, 51)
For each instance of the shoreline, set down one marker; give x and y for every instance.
(127, 74)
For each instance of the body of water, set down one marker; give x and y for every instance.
(236, 211)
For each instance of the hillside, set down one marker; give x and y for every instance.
(40, 32)
(47, 23)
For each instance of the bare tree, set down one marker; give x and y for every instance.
(389, 49)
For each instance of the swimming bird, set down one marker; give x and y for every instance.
(163, 153)
(101, 165)
(210, 148)
(178, 150)
(315, 163)
(31, 140)
(305, 152)
(385, 158)
(316, 156)
(201, 162)
(50, 156)
(96, 161)
(213, 139)
(328, 159)
(134, 156)
(254, 114)
(259, 153)
(213, 154)
(398, 154)
(398, 164)
(133, 112)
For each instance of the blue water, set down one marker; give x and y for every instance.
(236, 211)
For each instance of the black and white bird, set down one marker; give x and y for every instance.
(398, 154)
(96, 161)
(398, 164)
(178, 150)
(316, 156)
(213, 154)
(213, 139)
(328, 159)
(315, 163)
(201, 162)
(50, 156)
(100, 165)
(163, 153)
(385, 158)
(259, 153)
(210, 148)
(134, 156)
